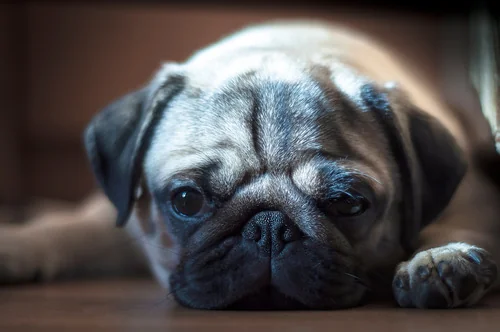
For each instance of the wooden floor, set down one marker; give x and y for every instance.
(140, 305)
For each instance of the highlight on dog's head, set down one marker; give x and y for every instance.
(281, 191)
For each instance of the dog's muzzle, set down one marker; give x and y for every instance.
(272, 231)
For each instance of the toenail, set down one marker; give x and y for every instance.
(423, 272)
(474, 256)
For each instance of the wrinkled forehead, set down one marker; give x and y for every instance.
(256, 124)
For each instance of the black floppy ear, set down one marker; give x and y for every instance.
(441, 162)
(118, 136)
(431, 163)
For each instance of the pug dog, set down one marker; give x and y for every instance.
(291, 164)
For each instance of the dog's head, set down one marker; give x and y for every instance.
(279, 189)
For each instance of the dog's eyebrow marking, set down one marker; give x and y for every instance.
(325, 174)
(255, 129)
(195, 172)
(283, 120)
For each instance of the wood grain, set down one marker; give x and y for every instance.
(140, 305)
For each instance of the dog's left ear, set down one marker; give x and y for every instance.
(440, 160)
(118, 136)
(431, 162)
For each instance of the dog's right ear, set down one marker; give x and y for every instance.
(431, 162)
(117, 138)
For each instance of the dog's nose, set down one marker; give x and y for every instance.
(272, 230)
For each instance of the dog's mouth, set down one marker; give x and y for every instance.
(267, 298)
(303, 277)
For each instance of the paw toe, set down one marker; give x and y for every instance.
(424, 272)
(445, 277)
(485, 268)
(402, 281)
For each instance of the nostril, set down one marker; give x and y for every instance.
(257, 234)
(252, 232)
(290, 234)
(271, 231)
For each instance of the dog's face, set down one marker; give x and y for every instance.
(278, 192)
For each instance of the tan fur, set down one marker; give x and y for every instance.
(344, 57)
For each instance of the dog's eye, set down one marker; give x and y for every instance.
(188, 202)
(348, 206)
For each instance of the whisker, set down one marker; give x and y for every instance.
(358, 172)
(315, 266)
(347, 194)
(352, 275)
(358, 280)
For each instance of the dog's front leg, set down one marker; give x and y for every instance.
(67, 243)
(456, 264)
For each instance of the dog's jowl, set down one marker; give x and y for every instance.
(290, 165)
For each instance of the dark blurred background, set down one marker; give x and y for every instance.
(61, 63)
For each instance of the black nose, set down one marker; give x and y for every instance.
(272, 230)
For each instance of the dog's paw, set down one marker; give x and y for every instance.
(454, 275)
(20, 256)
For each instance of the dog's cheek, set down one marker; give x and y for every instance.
(150, 230)
(172, 250)
(179, 232)
(216, 277)
(320, 277)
